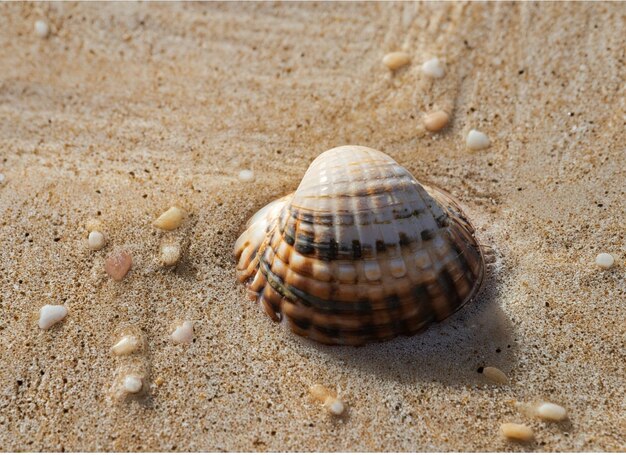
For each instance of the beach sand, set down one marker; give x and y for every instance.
(126, 109)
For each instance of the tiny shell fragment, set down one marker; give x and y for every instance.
(118, 264)
(433, 68)
(551, 411)
(495, 375)
(396, 60)
(126, 345)
(170, 219)
(50, 315)
(436, 121)
(328, 398)
(477, 140)
(170, 253)
(517, 432)
(605, 260)
(183, 334)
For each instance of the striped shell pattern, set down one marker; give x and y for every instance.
(360, 252)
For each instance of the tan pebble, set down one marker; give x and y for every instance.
(517, 431)
(436, 121)
(328, 398)
(159, 381)
(170, 253)
(396, 60)
(118, 264)
(126, 345)
(551, 411)
(96, 240)
(170, 219)
(495, 375)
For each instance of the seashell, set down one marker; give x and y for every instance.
(360, 252)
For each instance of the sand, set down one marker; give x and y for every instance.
(127, 109)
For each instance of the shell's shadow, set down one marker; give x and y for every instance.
(451, 352)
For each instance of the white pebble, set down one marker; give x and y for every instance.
(50, 315)
(2, 179)
(170, 253)
(395, 60)
(334, 406)
(132, 384)
(126, 345)
(96, 240)
(605, 260)
(551, 411)
(183, 333)
(42, 29)
(477, 140)
(433, 68)
(246, 175)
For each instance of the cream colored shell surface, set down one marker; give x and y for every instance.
(360, 252)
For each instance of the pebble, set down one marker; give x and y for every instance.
(50, 315)
(42, 29)
(396, 60)
(96, 240)
(328, 398)
(170, 254)
(170, 219)
(433, 68)
(517, 432)
(126, 345)
(436, 121)
(551, 411)
(246, 175)
(495, 375)
(605, 260)
(183, 334)
(477, 140)
(133, 384)
(118, 264)
(2, 179)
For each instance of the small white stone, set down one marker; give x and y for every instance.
(517, 431)
(605, 260)
(2, 179)
(96, 240)
(334, 406)
(50, 315)
(551, 411)
(477, 140)
(132, 384)
(126, 345)
(42, 29)
(433, 68)
(246, 175)
(183, 333)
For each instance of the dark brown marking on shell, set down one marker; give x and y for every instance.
(361, 252)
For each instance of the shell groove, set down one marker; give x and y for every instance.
(360, 252)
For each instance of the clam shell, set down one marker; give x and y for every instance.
(360, 252)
